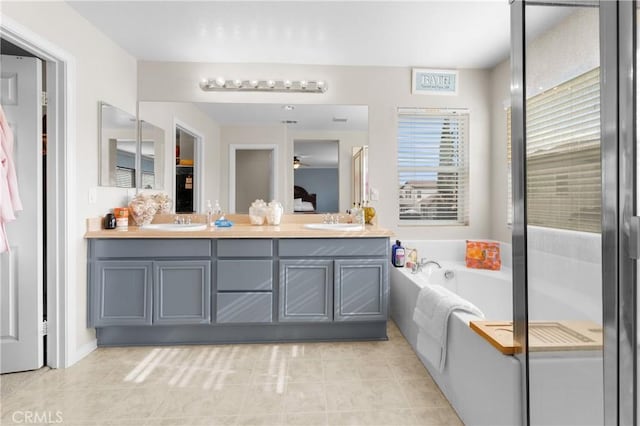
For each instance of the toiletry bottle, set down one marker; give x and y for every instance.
(217, 210)
(398, 254)
(400, 257)
(394, 247)
(209, 213)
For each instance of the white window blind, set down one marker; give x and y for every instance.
(433, 166)
(125, 177)
(563, 155)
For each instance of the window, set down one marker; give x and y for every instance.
(563, 155)
(432, 166)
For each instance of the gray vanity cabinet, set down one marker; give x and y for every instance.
(182, 292)
(122, 292)
(306, 290)
(361, 290)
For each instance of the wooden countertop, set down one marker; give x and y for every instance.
(291, 227)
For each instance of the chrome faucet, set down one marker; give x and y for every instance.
(417, 267)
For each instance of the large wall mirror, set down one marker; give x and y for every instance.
(306, 140)
(120, 165)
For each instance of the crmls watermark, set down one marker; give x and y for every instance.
(39, 417)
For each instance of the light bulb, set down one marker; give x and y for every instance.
(271, 83)
(220, 81)
(303, 84)
(287, 84)
(254, 83)
(320, 84)
(237, 83)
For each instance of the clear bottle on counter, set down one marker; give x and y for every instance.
(209, 214)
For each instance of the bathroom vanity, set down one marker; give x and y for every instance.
(248, 284)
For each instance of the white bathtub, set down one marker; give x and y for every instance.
(482, 385)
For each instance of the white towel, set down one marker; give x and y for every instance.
(433, 308)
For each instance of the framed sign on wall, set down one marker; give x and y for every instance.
(434, 82)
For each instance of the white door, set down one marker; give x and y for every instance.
(21, 270)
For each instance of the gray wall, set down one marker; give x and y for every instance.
(324, 183)
(253, 177)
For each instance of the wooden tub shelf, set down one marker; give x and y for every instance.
(544, 336)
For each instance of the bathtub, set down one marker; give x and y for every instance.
(482, 385)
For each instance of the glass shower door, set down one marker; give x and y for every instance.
(563, 214)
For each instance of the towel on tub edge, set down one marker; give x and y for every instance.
(433, 308)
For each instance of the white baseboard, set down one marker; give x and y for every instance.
(82, 352)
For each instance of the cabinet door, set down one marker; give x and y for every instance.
(121, 293)
(182, 292)
(361, 290)
(306, 290)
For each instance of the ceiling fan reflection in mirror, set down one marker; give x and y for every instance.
(297, 163)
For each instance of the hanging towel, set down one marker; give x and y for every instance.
(9, 195)
(433, 308)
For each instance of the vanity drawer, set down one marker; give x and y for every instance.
(243, 307)
(245, 248)
(132, 248)
(245, 275)
(333, 247)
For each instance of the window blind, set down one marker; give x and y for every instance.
(125, 177)
(563, 156)
(433, 166)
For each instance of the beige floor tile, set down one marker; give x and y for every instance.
(306, 419)
(11, 382)
(408, 367)
(203, 403)
(371, 418)
(423, 392)
(271, 370)
(305, 397)
(338, 350)
(337, 370)
(267, 398)
(368, 383)
(444, 416)
(304, 370)
(260, 420)
(345, 396)
(193, 421)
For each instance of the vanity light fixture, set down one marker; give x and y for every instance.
(221, 84)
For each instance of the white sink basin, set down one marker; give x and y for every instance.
(334, 226)
(175, 227)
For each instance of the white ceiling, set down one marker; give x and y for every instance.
(445, 34)
(316, 154)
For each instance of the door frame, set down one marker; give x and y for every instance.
(199, 155)
(61, 143)
(232, 169)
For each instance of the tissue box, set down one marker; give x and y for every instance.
(483, 255)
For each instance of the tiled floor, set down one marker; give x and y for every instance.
(352, 383)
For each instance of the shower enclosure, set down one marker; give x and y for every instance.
(575, 226)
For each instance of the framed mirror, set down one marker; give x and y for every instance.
(222, 127)
(118, 147)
